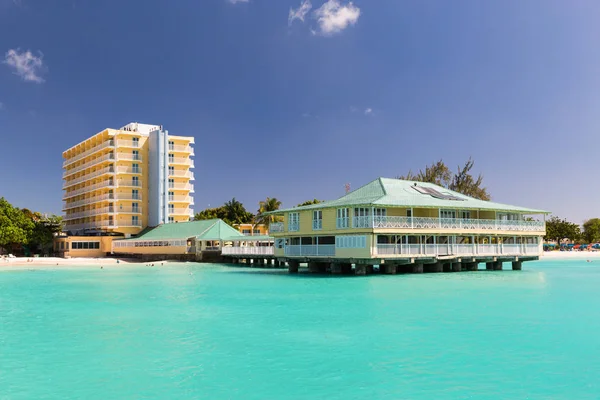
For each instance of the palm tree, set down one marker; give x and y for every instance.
(270, 204)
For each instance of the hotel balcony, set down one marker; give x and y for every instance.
(424, 250)
(181, 149)
(129, 157)
(129, 183)
(433, 224)
(181, 174)
(86, 189)
(182, 186)
(107, 144)
(89, 176)
(129, 170)
(181, 212)
(80, 168)
(100, 198)
(128, 143)
(102, 225)
(181, 161)
(181, 199)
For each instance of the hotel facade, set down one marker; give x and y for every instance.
(392, 222)
(121, 181)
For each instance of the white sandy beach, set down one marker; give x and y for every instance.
(53, 262)
(570, 255)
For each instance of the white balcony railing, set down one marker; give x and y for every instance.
(324, 250)
(128, 183)
(181, 199)
(181, 148)
(446, 223)
(80, 168)
(77, 157)
(181, 186)
(128, 143)
(89, 176)
(181, 211)
(457, 249)
(129, 157)
(96, 199)
(181, 174)
(181, 161)
(129, 170)
(90, 188)
(258, 250)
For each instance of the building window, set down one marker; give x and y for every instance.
(136, 154)
(135, 181)
(447, 214)
(171, 170)
(135, 207)
(171, 220)
(342, 220)
(171, 196)
(465, 214)
(135, 221)
(171, 208)
(362, 217)
(135, 168)
(171, 158)
(246, 231)
(136, 142)
(293, 221)
(171, 183)
(317, 220)
(135, 194)
(350, 242)
(171, 145)
(257, 231)
(85, 245)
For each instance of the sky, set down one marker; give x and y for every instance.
(295, 99)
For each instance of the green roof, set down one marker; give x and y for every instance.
(212, 229)
(400, 193)
(250, 238)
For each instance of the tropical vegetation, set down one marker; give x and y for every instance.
(461, 181)
(25, 232)
(558, 229)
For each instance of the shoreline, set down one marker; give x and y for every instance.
(7, 264)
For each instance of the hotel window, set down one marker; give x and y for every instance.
(362, 217)
(171, 208)
(171, 145)
(171, 170)
(171, 183)
(135, 207)
(350, 242)
(135, 168)
(464, 214)
(136, 142)
(447, 214)
(171, 158)
(136, 154)
(171, 196)
(135, 220)
(85, 245)
(257, 231)
(135, 181)
(317, 220)
(171, 220)
(342, 220)
(135, 194)
(246, 231)
(293, 221)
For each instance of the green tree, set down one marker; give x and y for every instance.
(591, 230)
(309, 202)
(232, 213)
(15, 226)
(558, 229)
(462, 181)
(269, 205)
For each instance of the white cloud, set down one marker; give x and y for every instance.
(25, 64)
(300, 12)
(369, 111)
(334, 17)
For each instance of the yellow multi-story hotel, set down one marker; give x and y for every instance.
(120, 181)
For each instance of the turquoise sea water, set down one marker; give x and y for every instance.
(215, 332)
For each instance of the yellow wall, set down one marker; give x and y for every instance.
(151, 250)
(105, 246)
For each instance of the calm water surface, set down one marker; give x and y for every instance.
(217, 332)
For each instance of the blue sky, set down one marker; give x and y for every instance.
(291, 101)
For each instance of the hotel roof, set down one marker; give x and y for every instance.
(212, 229)
(384, 192)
